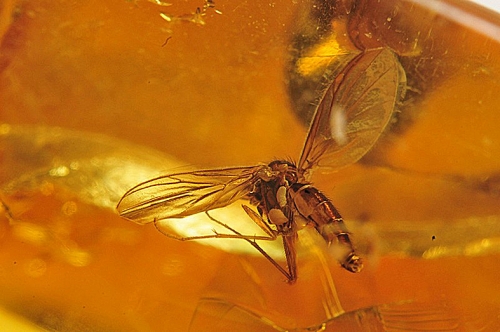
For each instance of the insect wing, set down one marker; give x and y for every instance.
(354, 111)
(183, 194)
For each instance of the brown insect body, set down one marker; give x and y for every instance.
(284, 189)
(316, 207)
(352, 114)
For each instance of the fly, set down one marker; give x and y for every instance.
(351, 116)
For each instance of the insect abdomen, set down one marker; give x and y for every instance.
(314, 206)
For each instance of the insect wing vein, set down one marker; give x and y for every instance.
(354, 110)
(183, 194)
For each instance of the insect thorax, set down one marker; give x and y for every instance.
(271, 193)
(282, 171)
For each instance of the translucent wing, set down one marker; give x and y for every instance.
(354, 111)
(183, 194)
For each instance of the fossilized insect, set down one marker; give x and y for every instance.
(351, 116)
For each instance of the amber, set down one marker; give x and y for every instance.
(96, 96)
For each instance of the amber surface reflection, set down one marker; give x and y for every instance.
(96, 96)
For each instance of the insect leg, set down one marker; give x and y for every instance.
(291, 255)
(271, 235)
(212, 236)
(288, 245)
(291, 274)
(260, 222)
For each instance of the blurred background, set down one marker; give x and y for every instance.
(98, 96)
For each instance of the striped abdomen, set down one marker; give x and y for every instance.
(315, 207)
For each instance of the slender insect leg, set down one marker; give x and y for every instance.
(254, 216)
(212, 236)
(259, 221)
(291, 274)
(289, 241)
(237, 235)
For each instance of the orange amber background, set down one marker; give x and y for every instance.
(214, 95)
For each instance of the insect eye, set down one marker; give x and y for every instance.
(291, 177)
